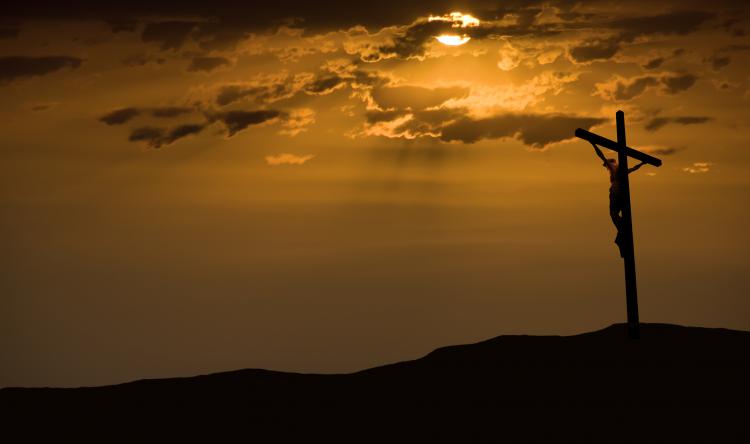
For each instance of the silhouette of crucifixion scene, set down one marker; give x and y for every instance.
(619, 205)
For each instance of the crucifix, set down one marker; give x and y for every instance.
(624, 223)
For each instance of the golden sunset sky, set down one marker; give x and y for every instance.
(195, 187)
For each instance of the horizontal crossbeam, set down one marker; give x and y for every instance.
(614, 146)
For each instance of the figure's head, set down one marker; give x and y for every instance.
(612, 162)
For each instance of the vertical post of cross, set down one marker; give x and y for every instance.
(626, 230)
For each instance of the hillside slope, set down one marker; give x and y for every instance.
(675, 384)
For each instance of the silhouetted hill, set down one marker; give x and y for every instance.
(676, 384)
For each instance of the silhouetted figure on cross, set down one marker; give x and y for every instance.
(615, 194)
(619, 205)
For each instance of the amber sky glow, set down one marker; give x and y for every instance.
(189, 189)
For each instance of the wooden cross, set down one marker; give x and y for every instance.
(626, 228)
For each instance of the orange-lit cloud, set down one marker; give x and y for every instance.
(297, 121)
(698, 168)
(288, 159)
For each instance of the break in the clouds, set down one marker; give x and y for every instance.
(19, 67)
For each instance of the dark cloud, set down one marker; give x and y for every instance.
(719, 61)
(182, 131)
(573, 16)
(415, 97)
(263, 90)
(654, 63)
(411, 42)
(629, 90)
(170, 111)
(626, 89)
(143, 59)
(376, 116)
(18, 67)
(592, 50)
(736, 48)
(369, 78)
(721, 57)
(122, 24)
(230, 17)
(158, 137)
(535, 130)
(659, 122)
(630, 28)
(662, 151)
(207, 64)
(325, 85)
(659, 61)
(231, 93)
(124, 115)
(147, 134)
(169, 34)
(729, 23)
(8, 33)
(678, 83)
(219, 35)
(120, 116)
(40, 107)
(322, 15)
(237, 121)
(678, 22)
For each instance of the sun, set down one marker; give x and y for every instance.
(457, 20)
(453, 40)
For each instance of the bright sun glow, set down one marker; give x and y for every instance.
(457, 20)
(453, 40)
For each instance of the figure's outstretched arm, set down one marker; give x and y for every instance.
(599, 153)
(630, 170)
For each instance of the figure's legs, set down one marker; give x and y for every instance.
(614, 212)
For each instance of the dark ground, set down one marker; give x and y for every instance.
(675, 384)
